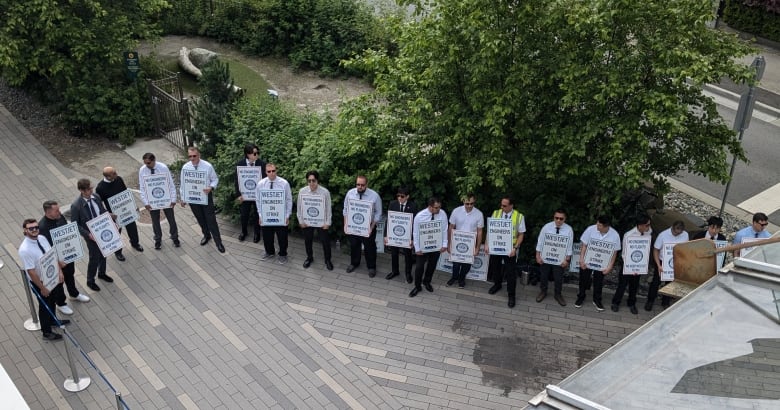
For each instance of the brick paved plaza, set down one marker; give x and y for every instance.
(187, 328)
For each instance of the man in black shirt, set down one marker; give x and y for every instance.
(111, 185)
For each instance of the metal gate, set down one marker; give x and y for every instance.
(170, 110)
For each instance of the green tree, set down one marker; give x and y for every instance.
(72, 51)
(212, 109)
(557, 102)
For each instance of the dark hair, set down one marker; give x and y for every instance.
(314, 174)
(402, 190)
(149, 156)
(433, 201)
(759, 217)
(678, 225)
(28, 221)
(509, 198)
(48, 204)
(250, 148)
(83, 183)
(714, 220)
(642, 219)
(560, 211)
(604, 220)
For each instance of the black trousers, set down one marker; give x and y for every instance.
(408, 259)
(132, 233)
(503, 268)
(459, 272)
(308, 236)
(248, 212)
(157, 229)
(68, 271)
(588, 276)
(97, 262)
(369, 246)
(426, 264)
(268, 239)
(632, 281)
(544, 277)
(45, 317)
(207, 219)
(652, 292)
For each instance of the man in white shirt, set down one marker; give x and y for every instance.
(313, 188)
(470, 219)
(427, 258)
(30, 251)
(605, 238)
(505, 266)
(273, 181)
(153, 167)
(361, 192)
(204, 214)
(675, 234)
(628, 278)
(562, 231)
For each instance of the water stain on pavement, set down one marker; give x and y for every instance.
(526, 363)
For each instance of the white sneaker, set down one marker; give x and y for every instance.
(82, 298)
(65, 309)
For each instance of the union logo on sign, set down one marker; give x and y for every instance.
(106, 235)
(399, 230)
(636, 256)
(158, 193)
(462, 247)
(313, 212)
(358, 219)
(477, 263)
(250, 184)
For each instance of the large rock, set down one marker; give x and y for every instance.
(186, 64)
(200, 56)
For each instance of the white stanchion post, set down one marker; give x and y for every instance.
(119, 401)
(31, 324)
(73, 383)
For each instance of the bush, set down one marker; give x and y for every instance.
(757, 19)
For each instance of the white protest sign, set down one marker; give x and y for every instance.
(247, 181)
(48, 269)
(159, 194)
(124, 207)
(358, 221)
(462, 246)
(399, 229)
(380, 236)
(478, 270)
(193, 183)
(721, 255)
(272, 206)
(67, 241)
(106, 234)
(637, 260)
(313, 210)
(574, 265)
(430, 234)
(554, 248)
(667, 260)
(598, 254)
(500, 237)
(745, 251)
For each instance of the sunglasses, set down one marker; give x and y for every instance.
(558, 218)
(763, 223)
(270, 171)
(32, 228)
(192, 156)
(311, 180)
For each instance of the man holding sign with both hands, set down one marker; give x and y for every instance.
(274, 207)
(600, 244)
(430, 240)
(314, 214)
(553, 254)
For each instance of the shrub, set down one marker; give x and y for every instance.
(755, 17)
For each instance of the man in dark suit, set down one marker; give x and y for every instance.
(248, 209)
(86, 206)
(402, 203)
(714, 224)
(111, 185)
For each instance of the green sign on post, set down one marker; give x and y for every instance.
(132, 64)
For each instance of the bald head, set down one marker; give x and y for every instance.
(109, 173)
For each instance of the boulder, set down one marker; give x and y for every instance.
(200, 56)
(186, 64)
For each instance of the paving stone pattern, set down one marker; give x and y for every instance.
(186, 328)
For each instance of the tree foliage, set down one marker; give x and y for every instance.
(556, 102)
(212, 109)
(73, 51)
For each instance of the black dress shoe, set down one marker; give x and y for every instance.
(511, 302)
(120, 257)
(221, 248)
(329, 265)
(493, 289)
(176, 243)
(408, 278)
(307, 262)
(105, 278)
(51, 336)
(391, 275)
(93, 286)
(205, 240)
(256, 239)
(371, 273)
(351, 268)
(158, 245)
(615, 307)
(241, 237)
(138, 247)
(633, 310)
(540, 297)
(451, 282)
(414, 292)
(428, 287)
(649, 306)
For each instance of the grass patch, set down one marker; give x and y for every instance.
(243, 76)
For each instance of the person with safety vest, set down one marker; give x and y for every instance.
(503, 266)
